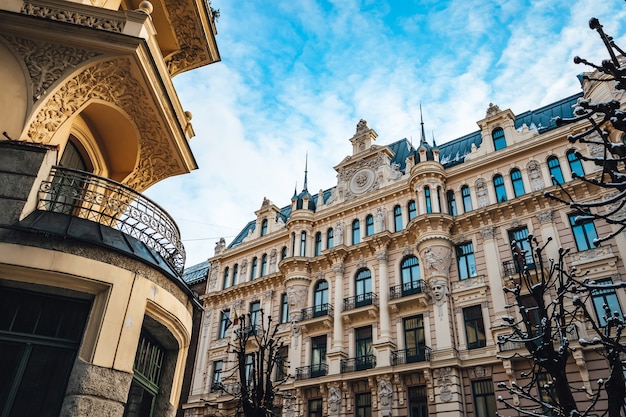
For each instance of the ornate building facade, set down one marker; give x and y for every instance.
(389, 285)
(95, 318)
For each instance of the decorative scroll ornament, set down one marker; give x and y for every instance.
(47, 11)
(46, 62)
(192, 52)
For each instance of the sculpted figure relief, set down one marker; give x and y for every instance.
(334, 400)
(384, 393)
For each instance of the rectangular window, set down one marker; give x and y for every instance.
(415, 339)
(467, 199)
(397, 218)
(584, 233)
(249, 369)
(318, 243)
(363, 402)
(412, 210)
(284, 309)
(224, 324)
(418, 401)
(282, 363)
(315, 408)
(465, 260)
(484, 400)
(218, 367)
(608, 297)
(318, 356)
(474, 327)
(364, 347)
(520, 236)
(547, 394)
(255, 312)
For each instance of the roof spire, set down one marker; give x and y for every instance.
(423, 139)
(434, 143)
(306, 163)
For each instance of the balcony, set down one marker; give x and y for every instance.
(248, 331)
(360, 300)
(226, 389)
(312, 371)
(405, 290)
(317, 311)
(76, 204)
(510, 342)
(510, 268)
(359, 363)
(412, 355)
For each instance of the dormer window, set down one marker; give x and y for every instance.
(264, 227)
(499, 141)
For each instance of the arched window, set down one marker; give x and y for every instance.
(575, 165)
(329, 238)
(498, 184)
(397, 218)
(363, 288)
(410, 273)
(318, 243)
(293, 244)
(253, 268)
(264, 227)
(451, 203)
(283, 253)
(439, 206)
(264, 264)
(303, 244)
(235, 274)
(72, 156)
(518, 183)
(320, 299)
(356, 232)
(412, 208)
(499, 141)
(555, 170)
(226, 274)
(369, 225)
(467, 198)
(429, 204)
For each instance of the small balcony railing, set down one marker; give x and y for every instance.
(510, 268)
(317, 311)
(104, 201)
(411, 355)
(508, 342)
(360, 363)
(312, 371)
(406, 289)
(233, 388)
(247, 331)
(360, 300)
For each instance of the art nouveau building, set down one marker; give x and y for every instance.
(389, 284)
(95, 319)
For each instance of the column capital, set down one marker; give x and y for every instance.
(382, 256)
(338, 268)
(546, 216)
(488, 232)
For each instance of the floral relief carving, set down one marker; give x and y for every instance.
(192, 52)
(46, 62)
(64, 15)
(110, 82)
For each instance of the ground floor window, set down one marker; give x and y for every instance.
(484, 399)
(418, 404)
(146, 376)
(40, 335)
(363, 405)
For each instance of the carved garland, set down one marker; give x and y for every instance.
(111, 82)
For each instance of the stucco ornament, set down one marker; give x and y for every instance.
(385, 392)
(296, 298)
(436, 261)
(534, 173)
(481, 193)
(334, 401)
(380, 219)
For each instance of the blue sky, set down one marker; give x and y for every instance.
(296, 76)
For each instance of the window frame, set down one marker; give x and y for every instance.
(412, 209)
(397, 218)
(465, 260)
(499, 188)
(517, 182)
(486, 398)
(285, 316)
(584, 232)
(225, 323)
(575, 164)
(428, 200)
(264, 224)
(330, 238)
(597, 294)
(474, 324)
(554, 166)
(499, 139)
(467, 198)
(369, 225)
(356, 232)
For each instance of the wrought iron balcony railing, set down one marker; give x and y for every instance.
(249, 330)
(104, 201)
(233, 388)
(510, 268)
(406, 289)
(360, 300)
(509, 342)
(312, 371)
(411, 355)
(317, 311)
(360, 363)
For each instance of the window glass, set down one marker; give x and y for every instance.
(284, 309)
(397, 218)
(412, 207)
(584, 233)
(410, 273)
(451, 203)
(498, 184)
(555, 170)
(330, 238)
(518, 183)
(356, 232)
(467, 198)
(429, 204)
(303, 244)
(608, 297)
(474, 327)
(369, 225)
(499, 141)
(418, 401)
(575, 165)
(465, 260)
(264, 227)
(484, 398)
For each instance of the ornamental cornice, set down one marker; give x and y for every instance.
(111, 82)
(192, 52)
(46, 62)
(47, 10)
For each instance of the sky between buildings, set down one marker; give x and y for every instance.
(296, 76)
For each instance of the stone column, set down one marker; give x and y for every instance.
(337, 352)
(494, 276)
(383, 291)
(548, 230)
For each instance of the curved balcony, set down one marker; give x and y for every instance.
(83, 195)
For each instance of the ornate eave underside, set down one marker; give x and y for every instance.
(72, 66)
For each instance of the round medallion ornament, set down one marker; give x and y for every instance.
(362, 181)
